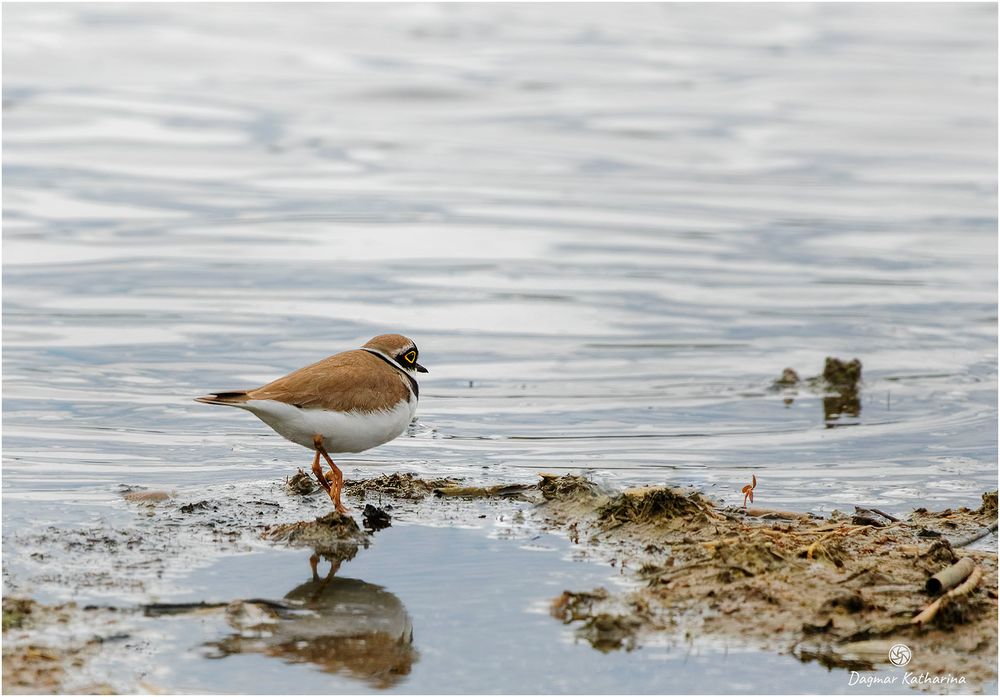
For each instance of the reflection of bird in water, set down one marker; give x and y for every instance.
(339, 624)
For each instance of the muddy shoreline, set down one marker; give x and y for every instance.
(839, 590)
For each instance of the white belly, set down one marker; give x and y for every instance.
(343, 432)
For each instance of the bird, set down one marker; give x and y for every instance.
(346, 403)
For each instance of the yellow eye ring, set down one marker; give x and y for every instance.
(411, 357)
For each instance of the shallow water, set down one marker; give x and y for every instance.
(486, 638)
(608, 229)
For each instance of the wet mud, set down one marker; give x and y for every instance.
(839, 590)
(46, 648)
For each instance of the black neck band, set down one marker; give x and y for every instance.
(397, 366)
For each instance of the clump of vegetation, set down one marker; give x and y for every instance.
(570, 486)
(300, 484)
(989, 507)
(789, 378)
(653, 505)
(842, 375)
(16, 612)
(404, 485)
(334, 534)
(839, 381)
(837, 376)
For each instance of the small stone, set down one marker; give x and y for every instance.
(375, 518)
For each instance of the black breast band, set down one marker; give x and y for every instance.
(413, 383)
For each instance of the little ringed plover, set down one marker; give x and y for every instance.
(346, 403)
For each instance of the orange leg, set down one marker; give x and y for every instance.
(318, 471)
(338, 476)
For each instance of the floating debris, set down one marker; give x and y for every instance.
(842, 375)
(789, 378)
(839, 382)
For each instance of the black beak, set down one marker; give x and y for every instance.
(420, 368)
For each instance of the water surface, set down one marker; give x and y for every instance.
(607, 228)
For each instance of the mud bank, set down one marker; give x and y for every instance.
(839, 591)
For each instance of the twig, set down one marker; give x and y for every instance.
(856, 574)
(779, 515)
(844, 532)
(894, 519)
(674, 573)
(928, 613)
(868, 516)
(862, 509)
(992, 527)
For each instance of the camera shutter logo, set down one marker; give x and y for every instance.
(900, 655)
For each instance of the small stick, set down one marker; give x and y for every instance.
(950, 576)
(928, 613)
(839, 531)
(992, 527)
(894, 519)
(771, 513)
(712, 544)
(856, 574)
(674, 573)
(862, 509)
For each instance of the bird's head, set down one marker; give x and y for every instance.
(400, 349)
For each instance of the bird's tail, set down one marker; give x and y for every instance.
(231, 399)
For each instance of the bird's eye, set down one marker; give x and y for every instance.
(411, 357)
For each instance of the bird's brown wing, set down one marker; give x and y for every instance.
(349, 381)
